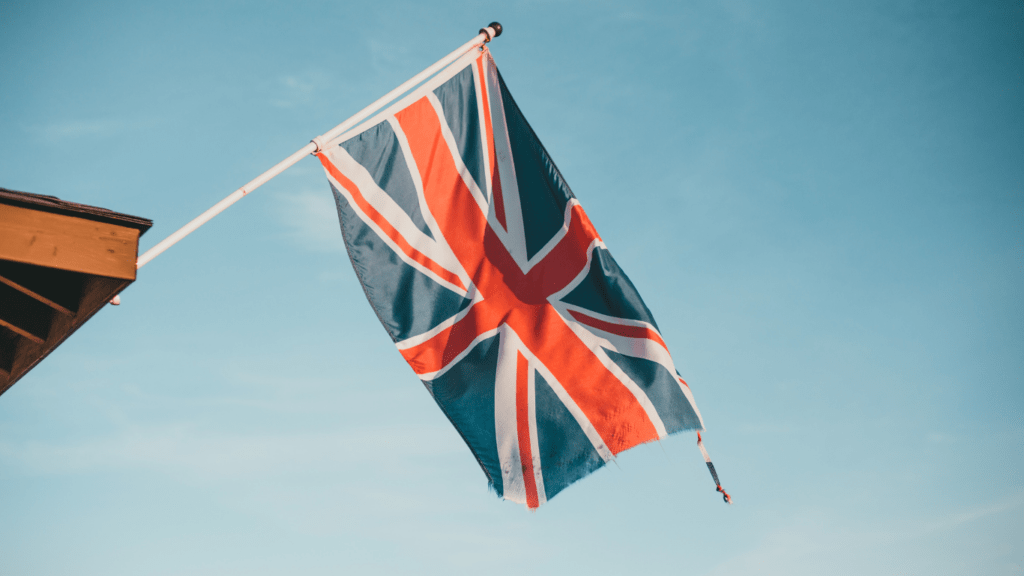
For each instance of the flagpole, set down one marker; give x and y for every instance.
(488, 33)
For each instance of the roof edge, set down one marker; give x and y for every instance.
(55, 205)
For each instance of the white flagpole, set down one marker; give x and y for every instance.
(490, 32)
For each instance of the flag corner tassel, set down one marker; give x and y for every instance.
(711, 468)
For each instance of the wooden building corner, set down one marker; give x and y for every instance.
(60, 262)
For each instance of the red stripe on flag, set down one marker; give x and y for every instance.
(499, 203)
(457, 214)
(443, 347)
(523, 426)
(619, 329)
(565, 261)
(610, 407)
(378, 219)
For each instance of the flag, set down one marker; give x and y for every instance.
(496, 288)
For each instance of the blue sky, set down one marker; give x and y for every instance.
(822, 204)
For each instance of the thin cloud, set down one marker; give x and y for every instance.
(299, 89)
(202, 457)
(971, 515)
(73, 129)
(311, 220)
(815, 543)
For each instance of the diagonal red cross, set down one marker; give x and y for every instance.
(511, 297)
(514, 298)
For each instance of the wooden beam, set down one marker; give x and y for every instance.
(62, 287)
(68, 243)
(36, 296)
(21, 331)
(97, 292)
(24, 315)
(8, 351)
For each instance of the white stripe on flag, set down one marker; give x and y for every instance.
(538, 474)
(453, 149)
(515, 238)
(505, 424)
(396, 217)
(588, 429)
(594, 343)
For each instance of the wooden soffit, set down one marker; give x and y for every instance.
(60, 262)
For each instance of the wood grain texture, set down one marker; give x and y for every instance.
(68, 243)
(45, 203)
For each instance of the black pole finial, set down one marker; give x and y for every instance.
(496, 27)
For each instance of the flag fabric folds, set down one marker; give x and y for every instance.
(496, 288)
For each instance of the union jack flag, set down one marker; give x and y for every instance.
(496, 288)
